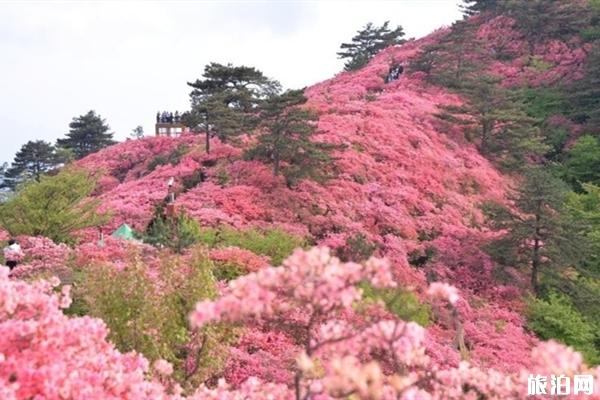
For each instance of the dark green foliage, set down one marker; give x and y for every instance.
(137, 132)
(286, 142)
(55, 207)
(540, 236)
(367, 42)
(585, 93)
(419, 258)
(544, 101)
(496, 118)
(193, 180)
(555, 317)
(87, 134)
(3, 178)
(357, 249)
(456, 56)
(592, 32)
(174, 232)
(224, 103)
(538, 20)
(582, 163)
(585, 208)
(34, 159)
(472, 7)
(172, 158)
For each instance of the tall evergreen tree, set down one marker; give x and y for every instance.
(87, 134)
(3, 168)
(472, 7)
(367, 42)
(539, 235)
(457, 55)
(225, 102)
(585, 93)
(582, 162)
(286, 141)
(495, 117)
(33, 160)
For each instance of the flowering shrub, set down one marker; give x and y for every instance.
(45, 354)
(232, 262)
(42, 256)
(311, 298)
(146, 306)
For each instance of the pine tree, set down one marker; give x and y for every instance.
(495, 116)
(34, 159)
(539, 235)
(87, 134)
(137, 132)
(472, 7)
(368, 42)
(177, 232)
(582, 163)
(225, 102)
(3, 179)
(455, 57)
(585, 93)
(286, 139)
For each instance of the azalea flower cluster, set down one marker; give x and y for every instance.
(335, 353)
(40, 255)
(45, 354)
(339, 356)
(306, 281)
(242, 258)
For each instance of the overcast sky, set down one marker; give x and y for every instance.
(127, 60)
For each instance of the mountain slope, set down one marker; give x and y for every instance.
(409, 187)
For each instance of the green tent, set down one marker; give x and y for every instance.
(124, 232)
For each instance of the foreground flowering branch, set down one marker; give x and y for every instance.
(342, 355)
(311, 299)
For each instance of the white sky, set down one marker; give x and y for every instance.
(128, 59)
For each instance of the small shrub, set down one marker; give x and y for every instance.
(172, 158)
(556, 318)
(539, 64)
(222, 177)
(228, 271)
(401, 302)
(419, 258)
(193, 180)
(357, 249)
(150, 315)
(273, 243)
(177, 233)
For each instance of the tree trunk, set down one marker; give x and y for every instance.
(460, 335)
(207, 141)
(535, 262)
(276, 163)
(484, 136)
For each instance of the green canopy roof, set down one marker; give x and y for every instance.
(124, 232)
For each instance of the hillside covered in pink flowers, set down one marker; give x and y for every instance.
(406, 184)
